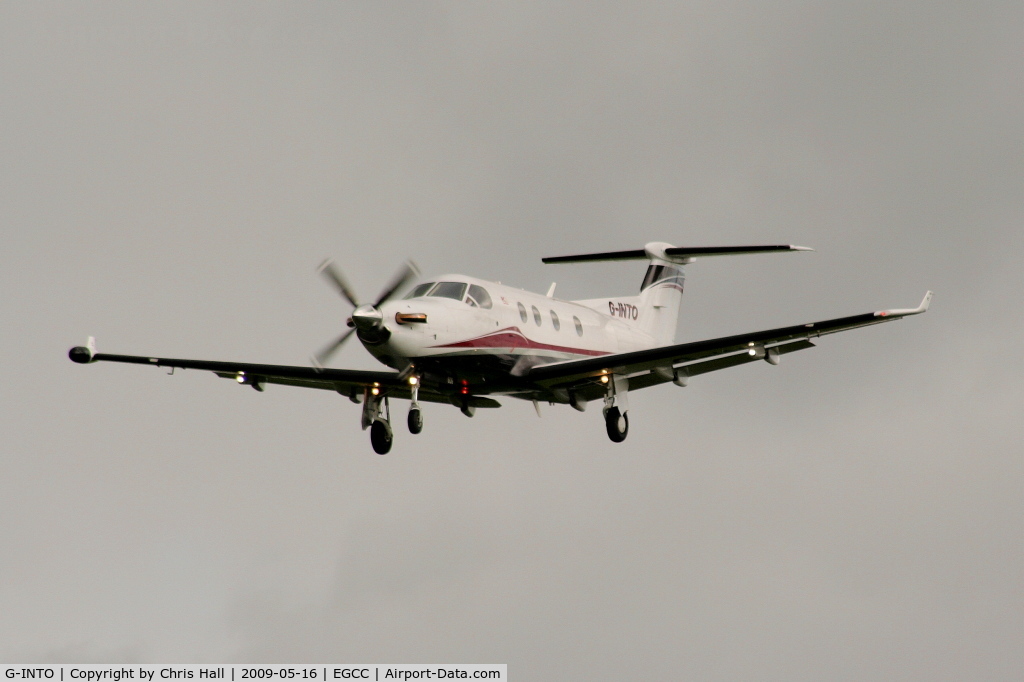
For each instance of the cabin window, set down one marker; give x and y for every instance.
(536, 314)
(554, 321)
(454, 290)
(478, 296)
(579, 325)
(420, 290)
(522, 311)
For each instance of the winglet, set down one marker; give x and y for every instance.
(83, 354)
(901, 312)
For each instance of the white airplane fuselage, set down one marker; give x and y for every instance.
(469, 340)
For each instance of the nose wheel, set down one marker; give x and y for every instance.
(617, 424)
(415, 420)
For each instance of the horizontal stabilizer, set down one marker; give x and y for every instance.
(705, 251)
(635, 254)
(673, 253)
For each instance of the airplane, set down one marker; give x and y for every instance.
(462, 341)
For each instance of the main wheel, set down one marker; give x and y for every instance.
(415, 420)
(617, 424)
(381, 437)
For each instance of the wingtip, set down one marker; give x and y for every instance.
(800, 248)
(926, 301)
(903, 312)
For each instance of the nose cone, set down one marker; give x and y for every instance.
(408, 339)
(367, 317)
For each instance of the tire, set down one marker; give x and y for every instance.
(415, 421)
(617, 425)
(381, 437)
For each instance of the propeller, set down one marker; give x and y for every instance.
(365, 317)
(404, 275)
(325, 353)
(334, 275)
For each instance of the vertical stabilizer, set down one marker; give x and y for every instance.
(661, 294)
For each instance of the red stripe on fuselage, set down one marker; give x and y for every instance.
(511, 337)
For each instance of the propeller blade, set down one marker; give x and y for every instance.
(333, 275)
(327, 351)
(400, 279)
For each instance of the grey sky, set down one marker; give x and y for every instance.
(173, 173)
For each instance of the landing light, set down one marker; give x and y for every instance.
(604, 378)
(240, 377)
(413, 380)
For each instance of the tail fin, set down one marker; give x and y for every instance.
(662, 290)
(661, 296)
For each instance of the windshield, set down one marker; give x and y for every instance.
(454, 290)
(420, 290)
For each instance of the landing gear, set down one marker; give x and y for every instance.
(415, 416)
(616, 404)
(377, 416)
(381, 437)
(617, 424)
(415, 420)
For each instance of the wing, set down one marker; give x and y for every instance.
(348, 382)
(665, 363)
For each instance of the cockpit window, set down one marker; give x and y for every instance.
(454, 290)
(478, 296)
(419, 290)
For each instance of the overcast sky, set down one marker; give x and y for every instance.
(172, 174)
